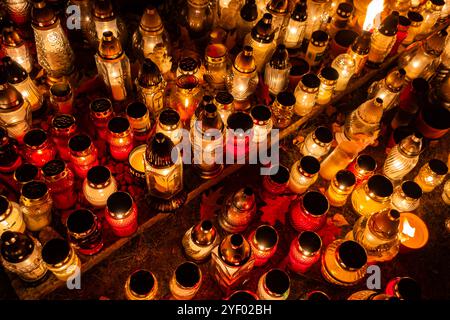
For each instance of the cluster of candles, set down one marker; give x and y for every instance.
(284, 44)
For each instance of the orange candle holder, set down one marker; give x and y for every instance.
(413, 232)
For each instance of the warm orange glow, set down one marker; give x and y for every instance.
(407, 229)
(413, 233)
(373, 14)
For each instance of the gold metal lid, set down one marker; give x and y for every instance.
(395, 80)
(385, 223)
(42, 15)
(204, 233)
(11, 38)
(110, 47)
(57, 252)
(265, 238)
(151, 21)
(235, 250)
(33, 191)
(99, 177)
(102, 9)
(245, 62)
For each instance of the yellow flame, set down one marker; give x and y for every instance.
(373, 11)
(408, 229)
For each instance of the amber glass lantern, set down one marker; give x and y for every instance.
(317, 48)
(404, 288)
(239, 210)
(274, 285)
(328, 77)
(169, 124)
(84, 231)
(61, 97)
(304, 252)
(63, 127)
(363, 167)
(18, 10)
(406, 197)
(296, 27)
(199, 241)
(61, 259)
(242, 80)
(139, 118)
(383, 39)
(186, 97)
(279, 9)
(120, 138)
(344, 263)
(38, 148)
(10, 159)
(309, 213)
(283, 109)
(216, 60)
(83, 154)
(150, 87)
(61, 183)
(303, 174)
(340, 188)
(11, 218)
(15, 47)
(388, 89)
(264, 242)
(317, 16)
(185, 281)
(373, 195)
(431, 175)
(98, 186)
(101, 111)
(122, 214)
(317, 143)
(359, 51)
(37, 205)
(141, 285)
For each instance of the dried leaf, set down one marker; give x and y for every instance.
(276, 209)
(329, 232)
(209, 205)
(339, 220)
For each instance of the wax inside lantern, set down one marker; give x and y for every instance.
(137, 160)
(413, 232)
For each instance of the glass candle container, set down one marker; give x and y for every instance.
(340, 18)
(61, 184)
(303, 174)
(413, 233)
(190, 66)
(239, 210)
(416, 21)
(403, 157)
(150, 87)
(113, 66)
(433, 123)
(122, 214)
(309, 213)
(363, 167)
(26, 173)
(227, 14)
(264, 242)
(242, 79)
(38, 148)
(101, 111)
(239, 134)
(328, 77)
(373, 195)
(199, 17)
(61, 97)
(186, 97)
(317, 48)
(54, 53)
(216, 61)
(378, 234)
(10, 216)
(120, 138)
(403, 26)
(10, 159)
(279, 9)
(105, 20)
(406, 197)
(139, 119)
(63, 127)
(275, 183)
(225, 104)
(383, 39)
(388, 89)
(306, 94)
(359, 51)
(141, 285)
(84, 231)
(199, 241)
(339, 159)
(344, 263)
(261, 39)
(317, 16)
(164, 173)
(431, 175)
(18, 10)
(296, 27)
(36, 205)
(21, 254)
(185, 281)
(283, 109)
(340, 188)
(304, 252)
(274, 285)
(446, 193)
(98, 186)
(404, 288)
(317, 143)
(19, 79)
(169, 124)
(248, 17)
(232, 261)
(276, 75)
(15, 112)
(431, 12)
(262, 122)
(83, 154)
(86, 21)
(136, 163)
(15, 47)
(61, 259)
(299, 68)
(345, 66)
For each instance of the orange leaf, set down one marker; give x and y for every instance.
(276, 209)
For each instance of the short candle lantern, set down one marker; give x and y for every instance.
(38, 148)
(359, 51)
(186, 97)
(139, 119)
(63, 127)
(169, 124)
(317, 143)
(363, 167)
(227, 12)
(340, 188)
(83, 154)
(264, 242)
(15, 47)
(141, 285)
(295, 30)
(413, 232)
(304, 252)
(306, 94)
(101, 111)
(373, 195)
(150, 87)
(190, 66)
(239, 134)
(242, 79)
(317, 48)
(239, 210)
(383, 39)
(26, 172)
(186, 281)
(85, 231)
(262, 122)
(404, 288)
(304, 173)
(328, 77)
(120, 138)
(275, 183)
(279, 11)
(61, 259)
(105, 20)
(98, 186)
(406, 196)
(276, 74)
(121, 213)
(61, 97)
(274, 285)
(431, 175)
(225, 104)
(199, 241)
(137, 163)
(36, 204)
(61, 183)
(340, 18)
(11, 217)
(10, 158)
(345, 66)
(283, 109)
(309, 213)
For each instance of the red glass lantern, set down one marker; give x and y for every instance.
(83, 154)
(304, 251)
(61, 182)
(403, 288)
(121, 214)
(101, 111)
(63, 128)
(10, 160)
(84, 231)
(275, 183)
(38, 149)
(239, 135)
(264, 241)
(120, 138)
(363, 167)
(402, 32)
(139, 118)
(309, 212)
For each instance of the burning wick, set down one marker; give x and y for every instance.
(373, 15)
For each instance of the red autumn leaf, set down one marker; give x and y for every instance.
(209, 205)
(275, 209)
(329, 232)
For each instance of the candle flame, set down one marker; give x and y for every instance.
(373, 13)
(407, 229)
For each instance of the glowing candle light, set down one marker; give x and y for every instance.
(60, 258)
(141, 285)
(121, 213)
(413, 232)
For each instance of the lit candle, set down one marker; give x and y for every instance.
(225, 104)
(199, 17)
(309, 213)
(98, 186)
(373, 195)
(383, 39)
(85, 231)
(36, 205)
(416, 21)
(60, 258)
(169, 124)
(11, 217)
(275, 183)
(406, 197)
(137, 163)
(185, 281)
(141, 285)
(16, 48)
(239, 134)
(413, 232)
(187, 96)
(359, 51)
(303, 174)
(283, 109)
(345, 66)
(317, 48)
(328, 77)
(38, 148)
(239, 210)
(83, 154)
(306, 94)
(295, 30)
(317, 16)
(276, 74)
(274, 285)
(388, 89)
(304, 252)
(362, 167)
(61, 183)
(25, 173)
(150, 87)
(431, 175)
(264, 241)
(431, 12)
(242, 79)
(262, 122)
(61, 97)
(105, 19)
(317, 143)
(340, 188)
(216, 60)
(122, 214)
(120, 138)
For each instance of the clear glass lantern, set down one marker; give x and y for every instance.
(242, 80)
(105, 20)
(11, 218)
(151, 86)
(216, 61)
(317, 143)
(239, 210)
(199, 240)
(274, 285)
(283, 109)
(383, 39)
(169, 124)
(340, 188)
(431, 13)
(317, 16)
(139, 119)
(340, 18)
(306, 94)
(373, 195)
(328, 77)
(98, 185)
(15, 47)
(317, 48)
(345, 66)
(186, 97)
(227, 13)
(276, 74)
(388, 89)
(406, 197)
(61, 259)
(279, 9)
(18, 10)
(304, 173)
(113, 67)
(296, 27)
(248, 17)
(36, 204)
(141, 285)
(359, 51)
(199, 17)
(431, 175)
(262, 123)
(225, 104)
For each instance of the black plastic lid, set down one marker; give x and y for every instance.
(438, 2)
(389, 26)
(261, 113)
(319, 36)
(249, 11)
(415, 16)
(224, 97)
(311, 80)
(187, 274)
(118, 125)
(286, 98)
(345, 178)
(323, 134)
(98, 175)
(80, 221)
(240, 120)
(236, 240)
(329, 73)
(142, 282)
(408, 289)
(169, 117)
(318, 296)
(366, 162)
(242, 296)
(277, 281)
(26, 172)
(345, 37)
(63, 121)
(300, 12)
(315, 203)
(420, 85)
(55, 251)
(309, 241)
(437, 166)
(119, 202)
(345, 9)
(352, 254)
(35, 137)
(310, 164)
(136, 110)
(188, 64)
(380, 186)
(404, 21)
(279, 174)
(34, 190)
(402, 132)
(53, 168)
(80, 142)
(4, 205)
(437, 117)
(100, 105)
(16, 246)
(159, 151)
(411, 189)
(267, 236)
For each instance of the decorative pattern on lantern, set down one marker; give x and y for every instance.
(344, 263)
(224, 102)
(239, 135)
(21, 254)
(105, 20)
(120, 138)
(406, 197)
(388, 89)
(296, 27)
(121, 213)
(373, 195)
(262, 123)
(363, 167)
(169, 124)
(186, 97)
(113, 66)
(317, 143)
(83, 154)
(61, 97)
(304, 252)
(317, 48)
(61, 183)
(276, 74)
(340, 188)
(150, 87)
(232, 261)
(52, 46)
(186, 281)
(15, 47)
(283, 109)
(383, 39)
(404, 288)
(101, 111)
(199, 17)
(11, 218)
(84, 231)
(25, 173)
(10, 159)
(345, 66)
(359, 51)
(99, 185)
(63, 127)
(431, 175)
(264, 242)
(304, 173)
(141, 285)
(38, 148)
(61, 259)
(242, 80)
(227, 14)
(306, 94)
(328, 77)
(199, 241)
(274, 285)
(309, 213)
(36, 204)
(239, 210)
